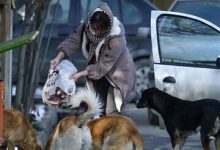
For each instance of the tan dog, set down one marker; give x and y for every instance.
(115, 132)
(72, 133)
(17, 131)
(112, 132)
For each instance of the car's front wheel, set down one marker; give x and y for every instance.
(145, 80)
(142, 71)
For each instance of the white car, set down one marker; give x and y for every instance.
(185, 53)
(185, 50)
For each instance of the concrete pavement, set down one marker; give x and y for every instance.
(154, 137)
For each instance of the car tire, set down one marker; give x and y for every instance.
(144, 77)
(142, 71)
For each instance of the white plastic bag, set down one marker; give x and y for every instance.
(58, 86)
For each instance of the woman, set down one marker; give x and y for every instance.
(109, 63)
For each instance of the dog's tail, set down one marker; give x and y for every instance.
(138, 141)
(89, 101)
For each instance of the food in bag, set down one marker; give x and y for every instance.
(59, 96)
(58, 86)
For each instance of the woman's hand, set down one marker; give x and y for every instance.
(78, 75)
(75, 76)
(56, 60)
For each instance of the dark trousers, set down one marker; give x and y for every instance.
(101, 87)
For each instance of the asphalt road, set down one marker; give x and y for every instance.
(154, 137)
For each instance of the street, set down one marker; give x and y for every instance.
(154, 137)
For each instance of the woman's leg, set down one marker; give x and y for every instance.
(101, 87)
(111, 105)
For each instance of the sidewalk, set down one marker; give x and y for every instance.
(154, 137)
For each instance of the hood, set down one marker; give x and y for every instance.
(104, 7)
(117, 28)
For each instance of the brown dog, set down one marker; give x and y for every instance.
(17, 131)
(113, 132)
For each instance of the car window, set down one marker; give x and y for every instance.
(89, 5)
(187, 41)
(131, 14)
(207, 10)
(59, 9)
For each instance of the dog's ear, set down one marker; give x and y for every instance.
(153, 89)
(146, 96)
(149, 92)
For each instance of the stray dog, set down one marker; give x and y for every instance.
(183, 118)
(17, 131)
(72, 132)
(107, 133)
(115, 132)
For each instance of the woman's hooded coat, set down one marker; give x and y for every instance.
(113, 59)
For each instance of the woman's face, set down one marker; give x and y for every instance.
(97, 30)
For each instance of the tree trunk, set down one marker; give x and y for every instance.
(35, 14)
(33, 78)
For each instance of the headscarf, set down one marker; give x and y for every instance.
(93, 39)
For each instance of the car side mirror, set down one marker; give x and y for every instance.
(218, 62)
(143, 32)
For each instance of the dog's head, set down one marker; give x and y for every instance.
(146, 98)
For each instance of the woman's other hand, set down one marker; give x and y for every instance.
(78, 75)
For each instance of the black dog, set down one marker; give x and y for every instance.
(183, 118)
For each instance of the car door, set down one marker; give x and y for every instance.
(185, 49)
